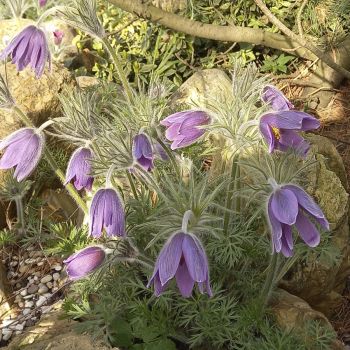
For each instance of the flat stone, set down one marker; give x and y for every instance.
(33, 289)
(41, 301)
(42, 289)
(26, 311)
(46, 279)
(29, 304)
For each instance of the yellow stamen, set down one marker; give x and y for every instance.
(276, 132)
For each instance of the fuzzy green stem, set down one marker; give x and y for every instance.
(270, 280)
(20, 213)
(231, 186)
(59, 173)
(132, 184)
(119, 69)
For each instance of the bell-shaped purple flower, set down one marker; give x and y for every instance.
(58, 36)
(142, 151)
(184, 258)
(23, 150)
(275, 98)
(106, 211)
(42, 3)
(290, 205)
(184, 128)
(83, 262)
(79, 169)
(280, 130)
(29, 47)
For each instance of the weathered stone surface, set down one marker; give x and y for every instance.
(9, 28)
(54, 333)
(36, 97)
(202, 85)
(293, 314)
(170, 5)
(319, 282)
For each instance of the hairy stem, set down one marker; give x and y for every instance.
(119, 69)
(231, 186)
(132, 184)
(70, 188)
(20, 213)
(270, 280)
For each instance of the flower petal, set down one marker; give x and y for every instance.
(276, 229)
(184, 280)
(308, 204)
(169, 257)
(284, 206)
(307, 230)
(275, 98)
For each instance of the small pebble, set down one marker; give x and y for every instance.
(33, 289)
(6, 335)
(20, 326)
(57, 267)
(29, 296)
(56, 276)
(41, 301)
(42, 289)
(23, 268)
(13, 263)
(18, 332)
(24, 292)
(29, 261)
(40, 263)
(55, 289)
(6, 322)
(26, 311)
(21, 304)
(46, 309)
(15, 257)
(46, 279)
(49, 285)
(18, 285)
(29, 304)
(36, 278)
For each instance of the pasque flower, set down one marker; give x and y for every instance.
(289, 206)
(29, 47)
(280, 130)
(184, 258)
(42, 3)
(83, 262)
(79, 169)
(184, 128)
(142, 151)
(58, 36)
(275, 98)
(106, 211)
(22, 149)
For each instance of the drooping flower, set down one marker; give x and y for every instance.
(160, 152)
(184, 258)
(42, 3)
(184, 128)
(290, 205)
(29, 47)
(58, 36)
(79, 169)
(83, 262)
(23, 149)
(142, 151)
(280, 130)
(106, 211)
(275, 98)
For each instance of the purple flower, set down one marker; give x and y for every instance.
(81, 263)
(42, 3)
(160, 152)
(107, 212)
(275, 98)
(29, 47)
(58, 36)
(280, 130)
(182, 256)
(142, 151)
(184, 128)
(290, 205)
(23, 150)
(79, 169)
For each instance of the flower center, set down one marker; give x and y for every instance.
(276, 132)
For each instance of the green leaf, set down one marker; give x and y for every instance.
(162, 344)
(120, 332)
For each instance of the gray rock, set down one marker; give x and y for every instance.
(6, 334)
(29, 304)
(56, 276)
(43, 289)
(46, 279)
(33, 289)
(24, 292)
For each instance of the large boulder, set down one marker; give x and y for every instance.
(38, 98)
(321, 281)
